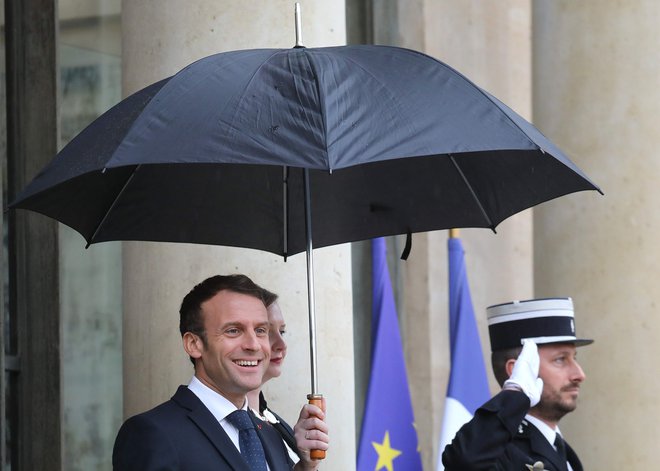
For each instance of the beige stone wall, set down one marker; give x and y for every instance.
(160, 37)
(597, 71)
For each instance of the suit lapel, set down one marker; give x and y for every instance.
(279, 424)
(540, 446)
(276, 455)
(573, 458)
(210, 427)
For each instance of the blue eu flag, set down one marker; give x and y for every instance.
(389, 439)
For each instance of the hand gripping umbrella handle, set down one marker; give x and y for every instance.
(317, 400)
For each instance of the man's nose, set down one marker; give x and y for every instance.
(578, 373)
(251, 341)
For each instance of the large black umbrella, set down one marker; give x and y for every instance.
(393, 141)
(243, 148)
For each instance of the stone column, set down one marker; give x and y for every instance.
(32, 380)
(490, 44)
(159, 38)
(596, 74)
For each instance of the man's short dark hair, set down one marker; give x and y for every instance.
(498, 361)
(191, 320)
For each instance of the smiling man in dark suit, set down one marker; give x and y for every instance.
(534, 360)
(206, 425)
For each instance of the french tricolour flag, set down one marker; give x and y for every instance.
(468, 384)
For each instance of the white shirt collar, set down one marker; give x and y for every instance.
(219, 405)
(548, 432)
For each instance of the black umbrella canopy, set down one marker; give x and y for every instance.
(394, 142)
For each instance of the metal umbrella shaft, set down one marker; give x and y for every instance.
(310, 283)
(308, 245)
(313, 398)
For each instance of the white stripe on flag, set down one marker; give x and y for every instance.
(455, 416)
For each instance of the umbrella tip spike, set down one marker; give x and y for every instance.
(297, 15)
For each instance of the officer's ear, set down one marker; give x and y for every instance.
(508, 366)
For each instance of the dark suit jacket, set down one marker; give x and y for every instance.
(498, 438)
(182, 434)
(281, 426)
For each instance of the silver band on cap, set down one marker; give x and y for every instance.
(529, 315)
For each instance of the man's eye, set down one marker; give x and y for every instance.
(232, 331)
(282, 332)
(262, 331)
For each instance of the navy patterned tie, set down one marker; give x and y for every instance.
(251, 448)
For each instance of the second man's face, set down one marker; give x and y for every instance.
(237, 350)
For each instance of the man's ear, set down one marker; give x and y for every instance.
(193, 345)
(508, 366)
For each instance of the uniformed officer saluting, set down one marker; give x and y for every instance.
(518, 428)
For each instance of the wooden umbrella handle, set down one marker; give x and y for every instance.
(317, 400)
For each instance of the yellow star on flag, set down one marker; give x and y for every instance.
(386, 454)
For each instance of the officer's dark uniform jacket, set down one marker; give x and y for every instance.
(498, 438)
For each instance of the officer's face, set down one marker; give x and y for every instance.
(562, 376)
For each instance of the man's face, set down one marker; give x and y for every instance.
(237, 350)
(562, 376)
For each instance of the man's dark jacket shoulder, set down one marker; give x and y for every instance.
(499, 438)
(182, 434)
